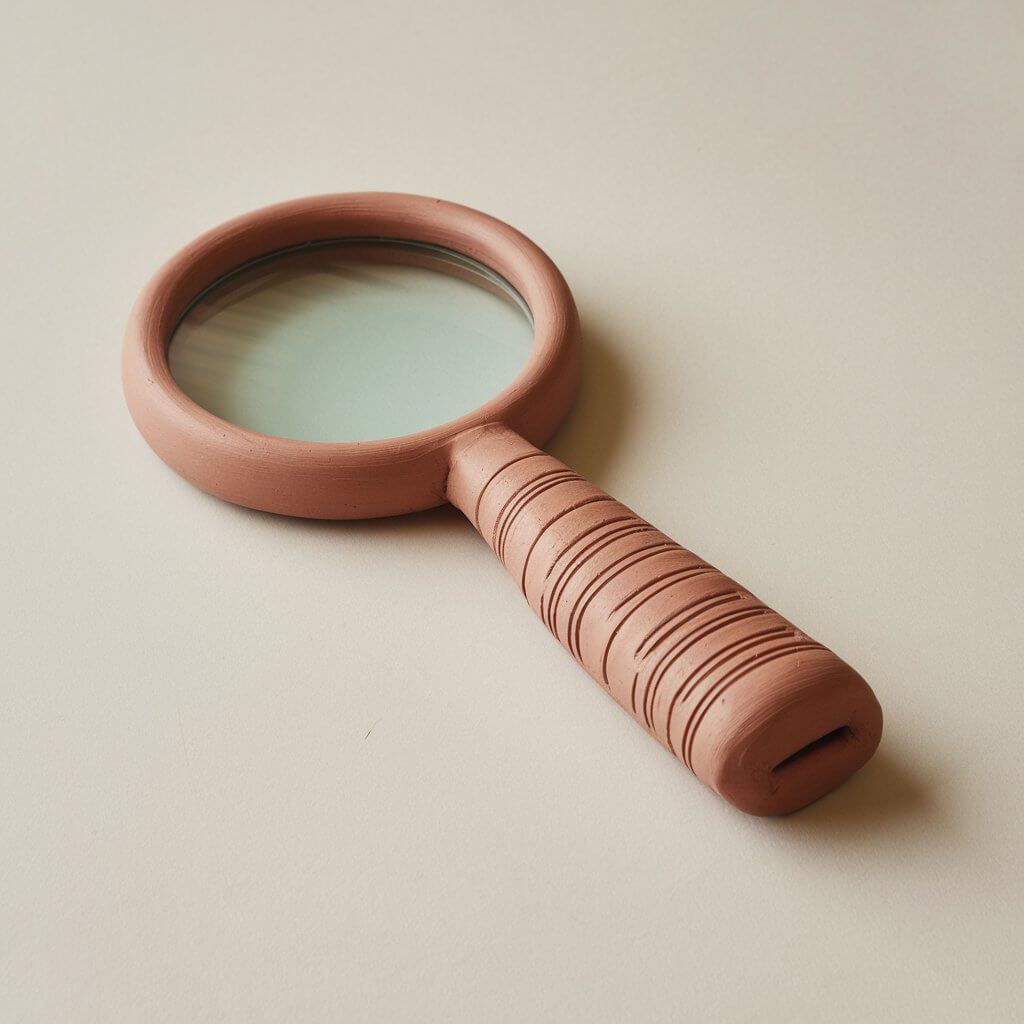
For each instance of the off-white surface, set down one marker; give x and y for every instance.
(261, 770)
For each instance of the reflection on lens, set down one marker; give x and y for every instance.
(351, 341)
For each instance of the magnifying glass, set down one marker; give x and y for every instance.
(372, 354)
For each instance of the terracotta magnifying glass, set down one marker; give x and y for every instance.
(766, 716)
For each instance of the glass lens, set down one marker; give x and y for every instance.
(351, 341)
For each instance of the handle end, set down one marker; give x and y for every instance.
(772, 749)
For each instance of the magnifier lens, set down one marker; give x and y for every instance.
(352, 340)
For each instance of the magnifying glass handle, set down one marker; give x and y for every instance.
(764, 715)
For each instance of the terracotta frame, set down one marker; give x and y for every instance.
(344, 480)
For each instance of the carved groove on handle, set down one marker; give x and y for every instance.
(621, 526)
(501, 469)
(694, 657)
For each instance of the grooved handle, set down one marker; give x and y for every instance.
(760, 712)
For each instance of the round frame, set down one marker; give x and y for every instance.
(349, 480)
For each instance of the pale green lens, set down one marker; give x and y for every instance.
(351, 341)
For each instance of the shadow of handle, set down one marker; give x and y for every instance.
(764, 715)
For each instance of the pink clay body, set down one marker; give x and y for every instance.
(767, 717)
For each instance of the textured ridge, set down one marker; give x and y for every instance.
(678, 644)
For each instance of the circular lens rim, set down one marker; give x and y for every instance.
(343, 480)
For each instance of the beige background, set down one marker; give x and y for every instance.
(263, 770)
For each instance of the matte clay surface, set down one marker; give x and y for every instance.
(767, 717)
(349, 480)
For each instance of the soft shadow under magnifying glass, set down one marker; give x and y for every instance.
(370, 354)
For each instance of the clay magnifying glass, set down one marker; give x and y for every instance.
(258, 364)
